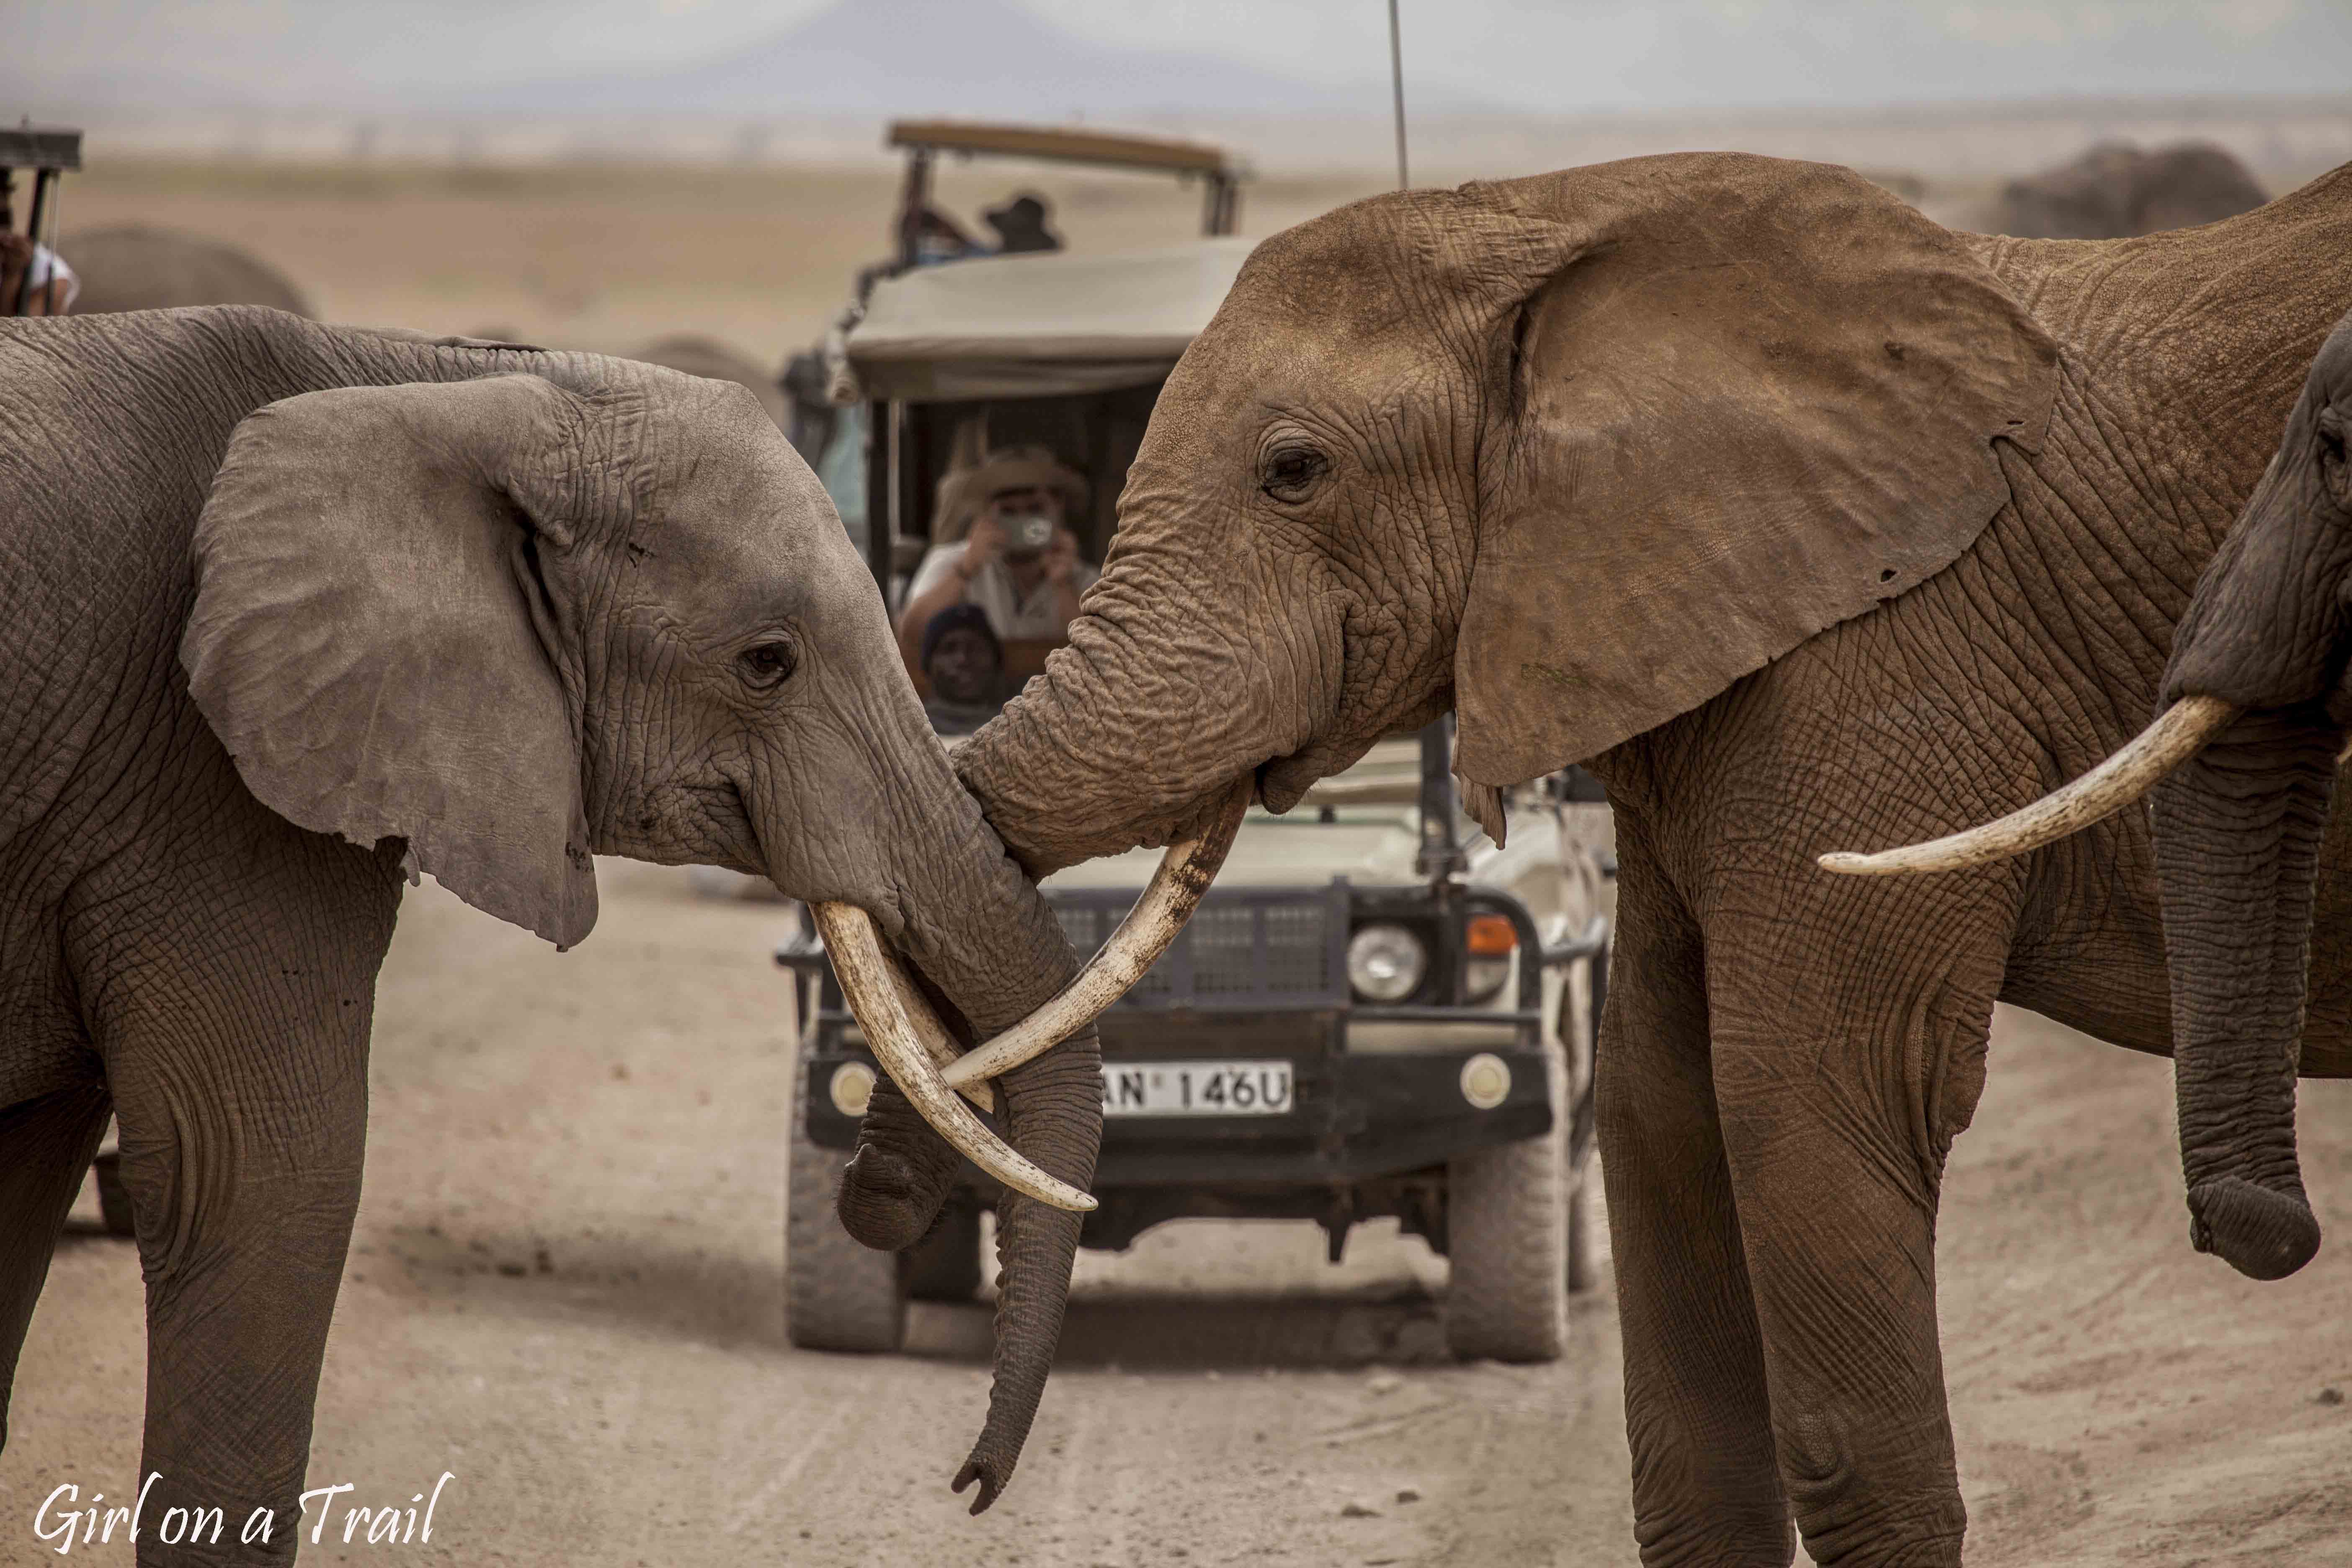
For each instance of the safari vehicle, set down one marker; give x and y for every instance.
(1374, 1012)
(49, 152)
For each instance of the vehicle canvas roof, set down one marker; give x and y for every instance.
(1035, 326)
(1105, 148)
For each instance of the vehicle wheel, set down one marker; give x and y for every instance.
(1507, 1228)
(113, 1200)
(945, 1265)
(838, 1295)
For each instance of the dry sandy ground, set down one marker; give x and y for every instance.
(567, 1288)
(609, 258)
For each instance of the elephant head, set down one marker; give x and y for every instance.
(519, 621)
(2240, 761)
(1569, 455)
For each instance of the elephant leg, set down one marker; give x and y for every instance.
(1706, 1487)
(48, 1143)
(235, 1032)
(1841, 1083)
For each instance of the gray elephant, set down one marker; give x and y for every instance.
(2116, 190)
(295, 611)
(136, 268)
(1807, 525)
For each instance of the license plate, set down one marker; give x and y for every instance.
(1196, 1089)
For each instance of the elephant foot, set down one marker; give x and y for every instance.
(1887, 1500)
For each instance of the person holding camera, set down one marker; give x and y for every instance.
(1005, 545)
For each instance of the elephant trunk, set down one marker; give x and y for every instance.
(2238, 832)
(1137, 732)
(1126, 739)
(2238, 836)
(1055, 1106)
(985, 950)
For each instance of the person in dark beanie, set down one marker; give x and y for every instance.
(964, 665)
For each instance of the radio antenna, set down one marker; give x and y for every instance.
(1396, 82)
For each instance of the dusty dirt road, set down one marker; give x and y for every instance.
(567, 1283)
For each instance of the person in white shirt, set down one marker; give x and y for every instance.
(50, 289)
(1004, 543)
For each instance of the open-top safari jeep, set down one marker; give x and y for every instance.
(1373, 1013)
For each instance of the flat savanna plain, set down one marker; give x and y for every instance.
(609, 257)
(567, 1280)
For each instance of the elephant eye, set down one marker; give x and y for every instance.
(2331, 449)
(1290, 472)
(767, 664)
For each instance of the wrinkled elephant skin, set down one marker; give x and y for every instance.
(1811, 526)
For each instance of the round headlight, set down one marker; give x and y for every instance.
(1386, 962)
(852, 1087)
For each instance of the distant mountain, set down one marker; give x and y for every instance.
(984, 58)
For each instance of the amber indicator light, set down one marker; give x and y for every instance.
(1490, 936)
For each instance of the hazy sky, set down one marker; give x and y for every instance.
(1558, 55)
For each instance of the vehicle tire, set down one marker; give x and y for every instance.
(1507, 1228)
(838, 1295)
(113, 1199)
(945, 1265)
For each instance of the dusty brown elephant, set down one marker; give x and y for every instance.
(2116, 190)
(293, 610)
(137, 267)
(1808, 525)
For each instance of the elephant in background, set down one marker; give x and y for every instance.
(136, 268)
(2116, 190)
(295, 612)
(695, 354)
(1807, 525)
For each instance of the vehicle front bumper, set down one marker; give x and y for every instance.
(1352, 1118)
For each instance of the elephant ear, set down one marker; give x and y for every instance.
(1748, 399)
(372, 634)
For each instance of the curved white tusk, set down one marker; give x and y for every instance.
(2176, 735)
(930, 1030)
(1168, 901)
(863, 970)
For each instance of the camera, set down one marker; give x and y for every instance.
(1028, 535)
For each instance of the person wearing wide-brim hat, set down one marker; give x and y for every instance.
(1002, 542)
(1019, 226)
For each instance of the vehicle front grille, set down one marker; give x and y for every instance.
(1245, 948)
